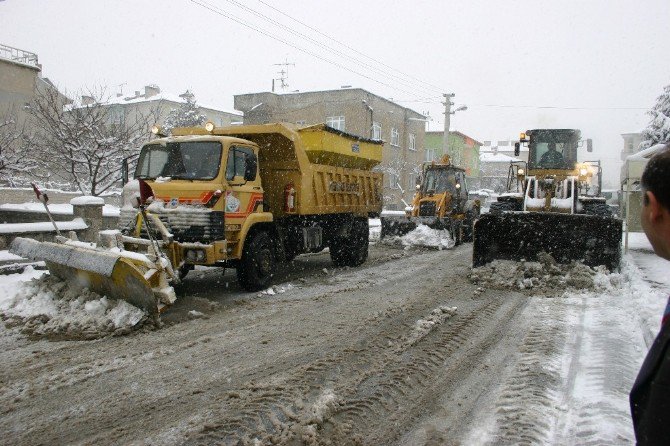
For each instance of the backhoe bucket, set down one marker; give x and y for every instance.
(103, 272)
(592, 239)
(396, 226)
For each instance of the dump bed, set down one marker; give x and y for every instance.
(330, 170)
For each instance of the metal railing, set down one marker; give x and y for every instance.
(17, 55)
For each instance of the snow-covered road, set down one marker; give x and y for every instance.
(404, 350)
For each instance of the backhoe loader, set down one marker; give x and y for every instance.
(440, 202)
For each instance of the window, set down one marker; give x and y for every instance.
(393, 181)
(411, 184)
(116, 116)
(395, 137)
(431, 155)
(237, 162)
(376, 130)
(300, 122)
(336, 122)
(412, 141)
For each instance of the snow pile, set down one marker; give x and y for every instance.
(545, 276)
(276, 289)
(424, 326)
(424, 236)
(49, 307)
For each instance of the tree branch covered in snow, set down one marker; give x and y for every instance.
(187, 115)
(82, 145)
(16, 162)
(658, 129)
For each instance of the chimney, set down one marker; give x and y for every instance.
(87, 100)
(151, 90)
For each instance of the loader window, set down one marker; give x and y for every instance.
(439, 180)
(187, 160)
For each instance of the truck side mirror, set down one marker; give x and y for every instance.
(250, 167)
(517, 148)
(589, 145)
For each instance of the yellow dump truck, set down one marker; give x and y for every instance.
(244, 196)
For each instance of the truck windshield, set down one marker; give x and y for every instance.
(553, 150)
(439, 180)
(183, 160)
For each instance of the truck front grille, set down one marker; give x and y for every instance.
(196, 226)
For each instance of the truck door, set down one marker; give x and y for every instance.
(244, 194)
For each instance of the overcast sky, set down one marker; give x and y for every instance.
(594, 65)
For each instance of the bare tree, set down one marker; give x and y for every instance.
(81, 144)
(16, 163)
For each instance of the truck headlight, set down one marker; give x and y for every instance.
(520, 172)
(209, 126)
(583, 171)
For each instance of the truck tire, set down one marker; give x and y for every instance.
(258, 263)
(352, 251)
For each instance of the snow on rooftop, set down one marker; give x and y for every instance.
(121, 100)
(645, 154)
(492, 157)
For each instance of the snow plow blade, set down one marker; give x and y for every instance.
(592, 239)
(103, 272)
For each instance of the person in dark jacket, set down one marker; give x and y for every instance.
(650, 396)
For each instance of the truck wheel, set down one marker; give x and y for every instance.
(257, 265)
(352, 251)
(469, 229)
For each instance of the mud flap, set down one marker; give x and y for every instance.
(106, 273)
(592, 239)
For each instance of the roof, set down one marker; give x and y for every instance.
(646, 153)
(489, 157)
(455, 132)
(119, 100)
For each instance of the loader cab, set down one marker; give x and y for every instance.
(438, 180)
(552, 149)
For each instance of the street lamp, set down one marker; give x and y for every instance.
(447, 121)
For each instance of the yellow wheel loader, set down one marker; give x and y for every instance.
(554, 204)
(440, 202)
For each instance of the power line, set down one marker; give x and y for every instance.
(349, 47)
(349, 58)
(555, 107)
(218, 11)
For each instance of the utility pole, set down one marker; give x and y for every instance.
(447, 121)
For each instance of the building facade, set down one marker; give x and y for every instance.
(358, 112)
(20, 82)
(494, 169)
(631, 144)
(465, 152)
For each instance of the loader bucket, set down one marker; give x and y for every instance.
(106, 273)
(592, 239)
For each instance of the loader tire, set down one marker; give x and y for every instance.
(258, 263)
(456, 230)
(353, 250)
